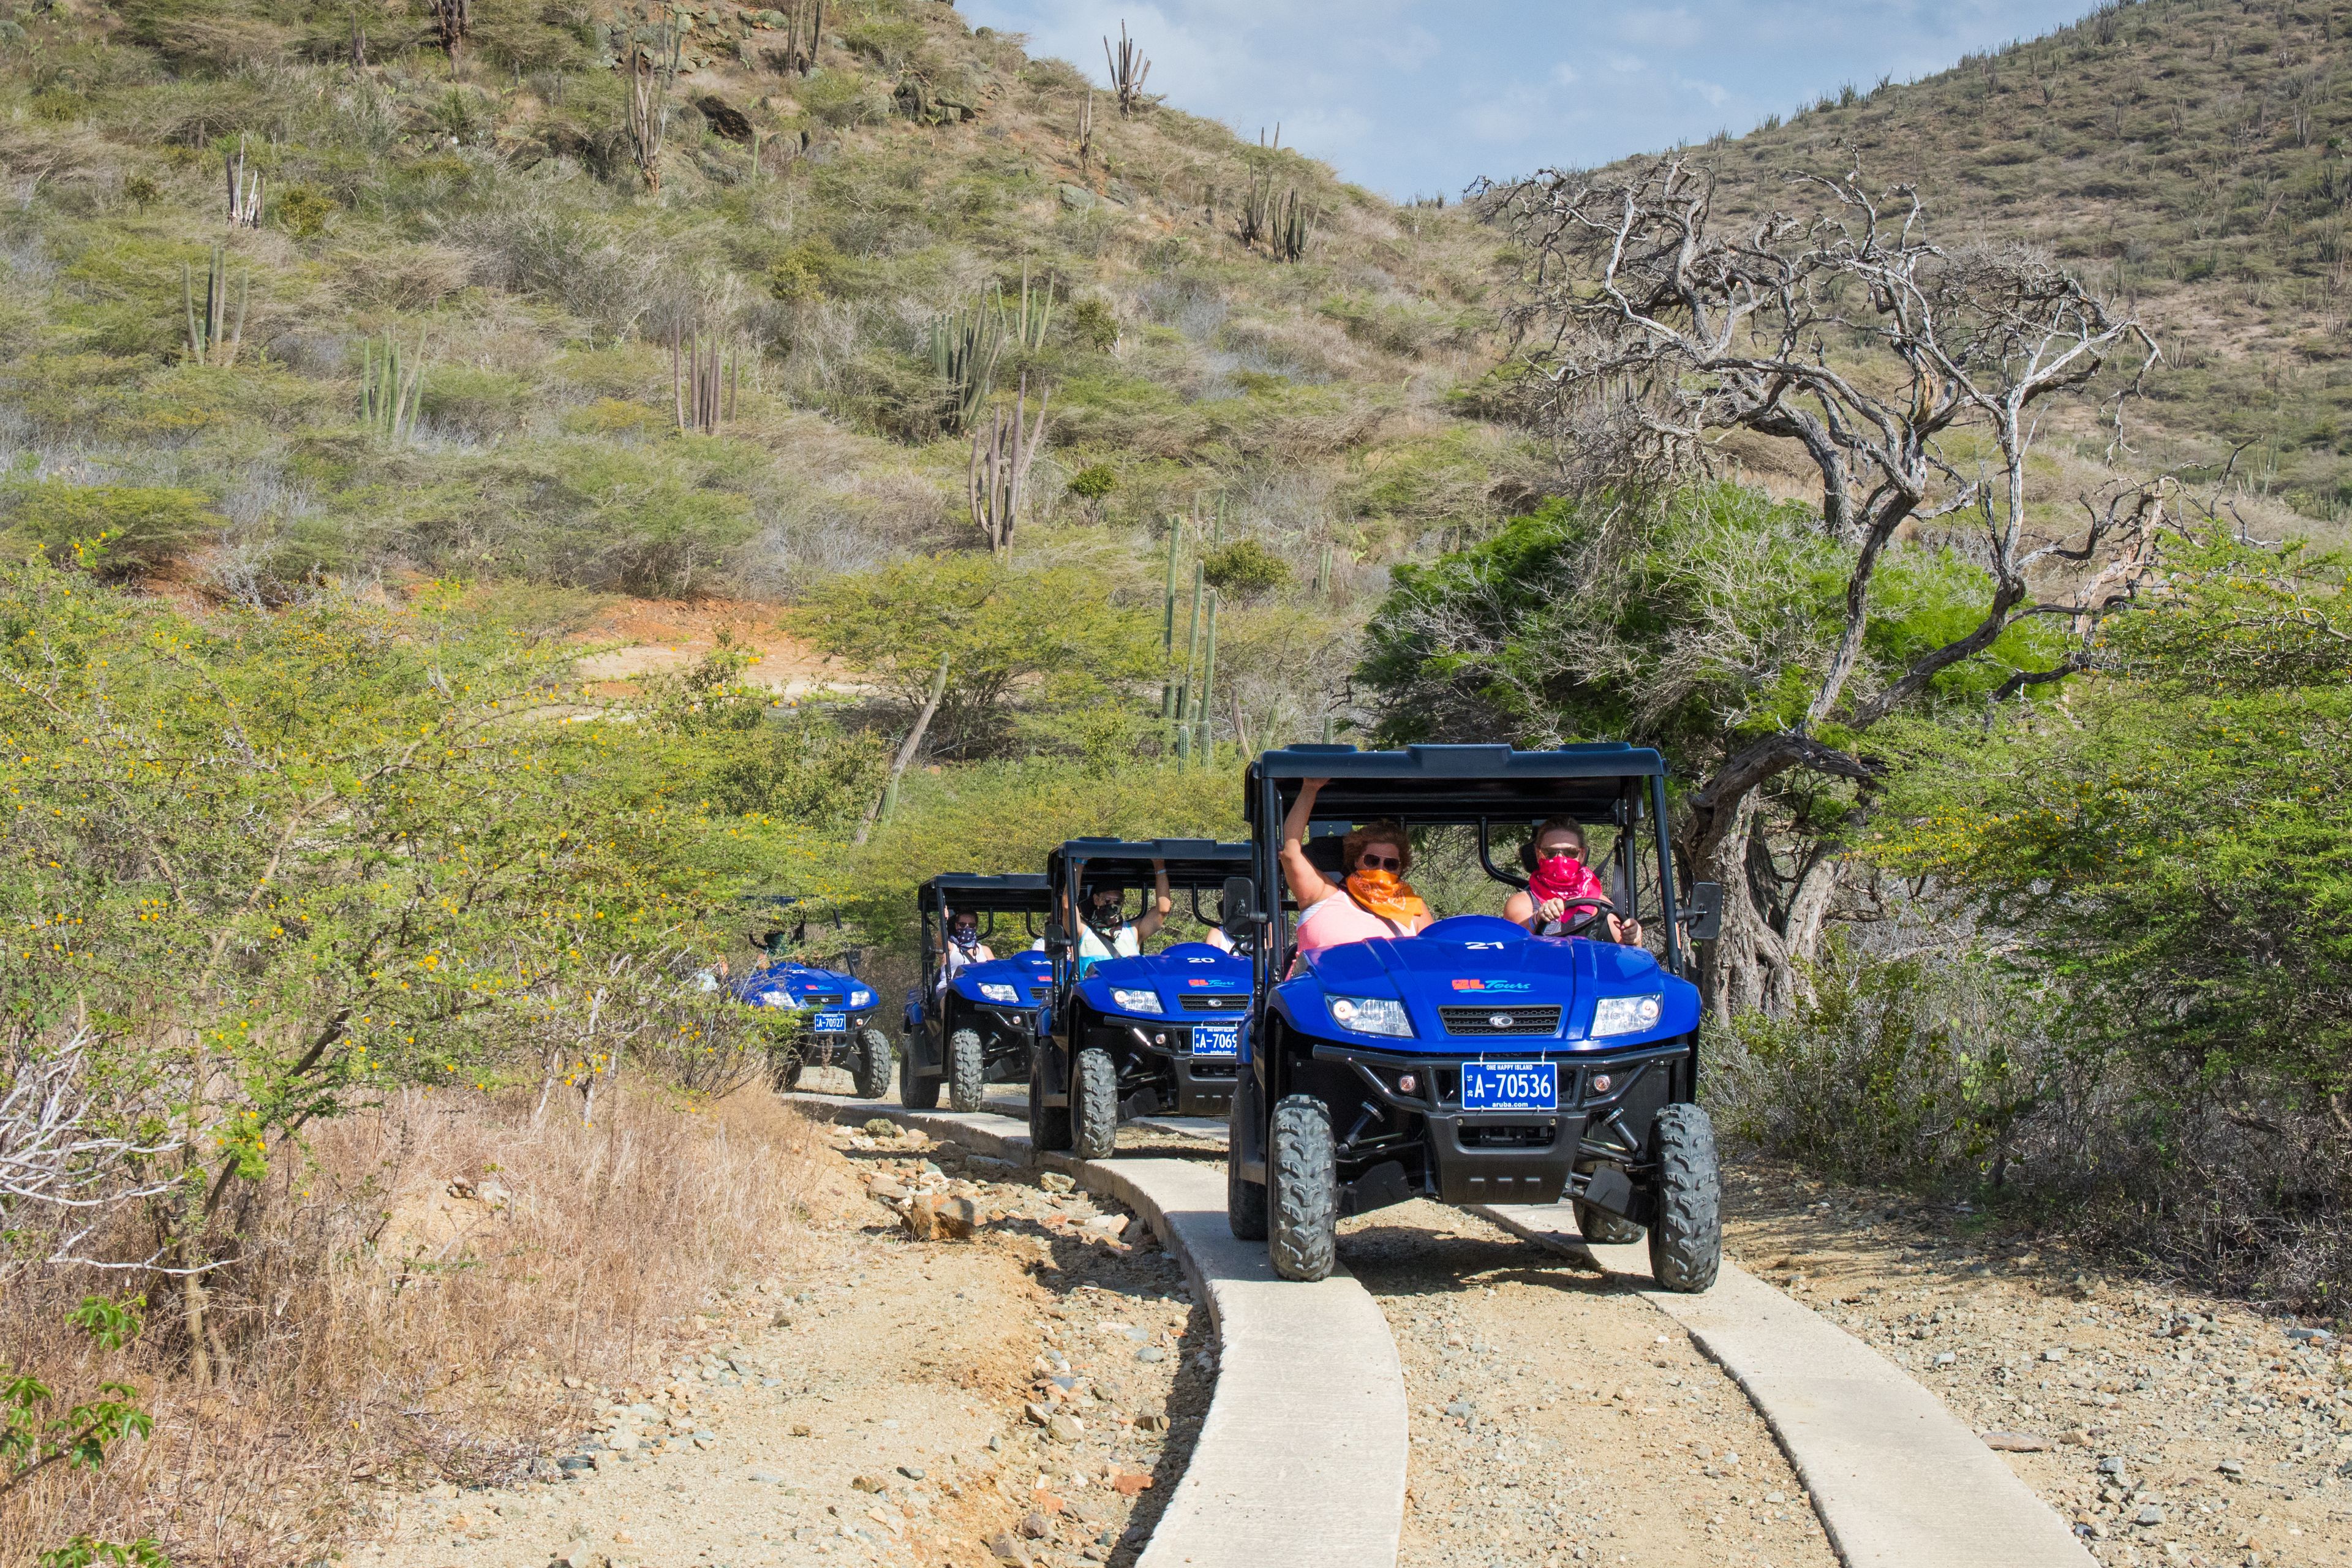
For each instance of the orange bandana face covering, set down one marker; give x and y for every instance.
(1388, 896)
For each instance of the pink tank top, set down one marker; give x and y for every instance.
(1337, 920)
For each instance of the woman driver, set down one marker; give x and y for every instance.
(1563, 893)
(1375, 901)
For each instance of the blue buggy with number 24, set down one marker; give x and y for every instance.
(1475, 1063)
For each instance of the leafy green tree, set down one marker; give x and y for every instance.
(120, 530)
(1244, 566)
(1041, 654)
(2178, 841)
(273, 863)
(1701, 623)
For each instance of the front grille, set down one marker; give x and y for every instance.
(1191, 1004)
(812, 1000)
(1039, 995)
(1512, 1020)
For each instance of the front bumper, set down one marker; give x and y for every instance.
(1509, 1156)
(1200, 1085)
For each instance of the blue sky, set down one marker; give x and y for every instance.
(1416, 96)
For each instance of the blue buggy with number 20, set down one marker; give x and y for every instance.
(1475, 1063)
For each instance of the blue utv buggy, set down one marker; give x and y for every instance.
(1141, 1035)
(979, 1025)
(1475, 1063)
(834, 1006)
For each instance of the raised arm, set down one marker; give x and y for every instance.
(1307, 884)
(1153, 918)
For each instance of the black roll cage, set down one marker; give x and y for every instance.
(1193, 864)
(1475, 787)
(1024, 893)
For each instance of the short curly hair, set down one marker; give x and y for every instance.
(1384, 831)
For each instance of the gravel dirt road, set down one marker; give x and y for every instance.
(2171, 1427)
(1560, 1419)
(1029, 1395)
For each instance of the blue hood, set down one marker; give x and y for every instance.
(1031, 976)
(1191, 969)
(798, 985)
(1477, 961)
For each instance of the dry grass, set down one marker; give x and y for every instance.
(385, 1324)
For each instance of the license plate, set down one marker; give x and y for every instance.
(1217, 1040)
(831, 1023)
(1510, 1086)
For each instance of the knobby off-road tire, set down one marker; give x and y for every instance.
(872, 1068)
(967, 1072)
(1245, 1200)
(1686, 1241)
(1049, 1125)
(1094, 1106)
(1303, 1191)
(916, 1092)
(1603, 1228)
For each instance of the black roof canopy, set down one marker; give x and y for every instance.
(1022, 892)
(1457, 784)
(1192, 862)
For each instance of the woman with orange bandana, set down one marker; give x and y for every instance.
(1375, 901)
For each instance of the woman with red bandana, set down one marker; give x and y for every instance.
(1563, 898)
(1374, 900)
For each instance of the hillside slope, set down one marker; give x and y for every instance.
(482, 212)
(2187, 155)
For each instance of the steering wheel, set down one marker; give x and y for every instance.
(1572, 923)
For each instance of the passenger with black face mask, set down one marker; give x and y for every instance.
(964, 947)
(1103, 928)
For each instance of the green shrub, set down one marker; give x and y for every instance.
(1092, 324)
(303, 211)
(115, 531)
(1094, 482)
(1244, 566)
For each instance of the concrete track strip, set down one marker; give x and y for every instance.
(1302, 1455)
(1897, 1481)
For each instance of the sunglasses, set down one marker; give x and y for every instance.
(1380, 863)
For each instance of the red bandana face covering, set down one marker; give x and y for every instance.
(1563, 876)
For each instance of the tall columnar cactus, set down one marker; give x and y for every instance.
(1184, 687)
(1168, 620)
(1294, 227)
(244, 189)
(648, 115)
(1128, 69)
(966, 346)
(1206, 748)
(213, 337)
(1001, 455)
(1323, 573)
(1036, 314)
(704, 381)
(390, 387)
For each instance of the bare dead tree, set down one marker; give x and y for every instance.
(1648, 330)
(65, 1166)
(648, 116)
(1128, 69)
(1002, 452)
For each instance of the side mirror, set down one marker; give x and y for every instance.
(1702, 910)
(1057, 941)
(1240, 905)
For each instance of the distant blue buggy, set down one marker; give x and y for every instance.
(1134, 1034)
(1475, 1063)
(974, 1018)
(833, 1006)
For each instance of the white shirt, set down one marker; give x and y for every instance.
(1093, 949)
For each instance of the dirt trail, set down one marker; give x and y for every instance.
(1559, 1419)
(654, 635)
(1029, 1395)
(2171, 1427)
